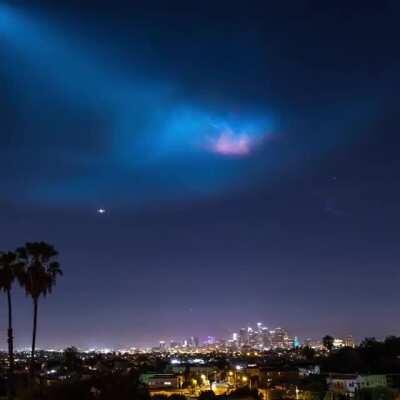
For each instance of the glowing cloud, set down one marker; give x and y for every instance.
(230, 144)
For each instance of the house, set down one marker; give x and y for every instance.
(162, 381)
(307, 370)
(350, 383)
(342, 383)
(368, 381)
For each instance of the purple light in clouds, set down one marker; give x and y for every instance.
(229, 144)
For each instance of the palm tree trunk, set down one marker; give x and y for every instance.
(10, 349)
(35, 308)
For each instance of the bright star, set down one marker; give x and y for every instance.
(101, 211)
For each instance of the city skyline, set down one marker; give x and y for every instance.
(234, 341)
(202, 165)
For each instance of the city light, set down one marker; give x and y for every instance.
(188, 191)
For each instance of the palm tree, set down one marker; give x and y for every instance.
(38, 278)
(9, 270)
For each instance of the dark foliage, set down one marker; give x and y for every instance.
(71, 360)
(104, 387)
(308, 353)
(207, 395)
(327, 341)
(378, 393)
(371, 357)
(245, 393)
(314, 383)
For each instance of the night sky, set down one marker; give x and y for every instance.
(246, 157)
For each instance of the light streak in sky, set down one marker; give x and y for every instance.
(153, 140)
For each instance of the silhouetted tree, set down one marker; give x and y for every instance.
(245, 393)
(376, 393)
(9, 270)
(72, 361)
(371, 356)
(372, 353)
(346, 360)
(314, 384)
(177, 397)
(392, 346)
(308, 353)
(38, 278)
(105, 387)
(327, 341)
(207, 395)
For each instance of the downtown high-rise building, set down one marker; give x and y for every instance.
(261, 338)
